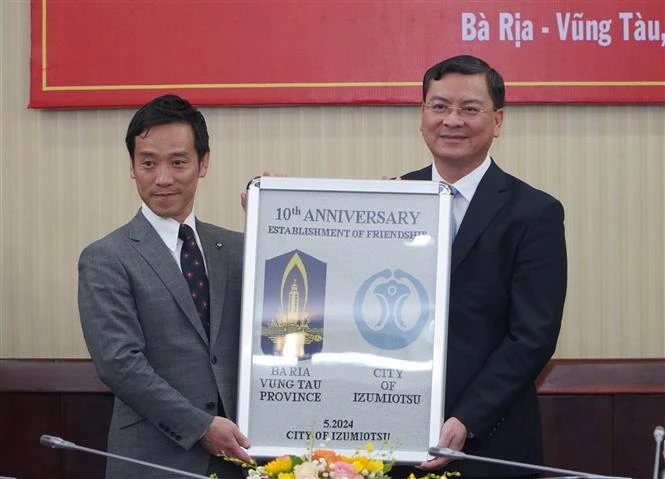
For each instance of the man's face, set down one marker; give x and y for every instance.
(166, 169)
(460, 139)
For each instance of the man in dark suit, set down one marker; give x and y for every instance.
(508, 275)
(168, 350)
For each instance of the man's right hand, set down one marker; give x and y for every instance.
(223, 437)
(243, 195)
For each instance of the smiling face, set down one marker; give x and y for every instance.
(166, 169)
(459, 143)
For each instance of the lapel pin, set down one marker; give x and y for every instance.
(218, 245)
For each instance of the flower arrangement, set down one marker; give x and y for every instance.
(327, 464)
(324, 463)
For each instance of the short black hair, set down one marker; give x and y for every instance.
(167, 109)
(468, 65)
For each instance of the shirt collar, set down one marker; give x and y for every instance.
(468, 184)
(167, 228)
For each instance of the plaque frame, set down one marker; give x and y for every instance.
(265, 400)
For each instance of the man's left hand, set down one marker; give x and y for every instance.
(453, 436)
(223, 437)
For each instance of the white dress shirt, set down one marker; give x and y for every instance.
(466, 188)
(168, 228)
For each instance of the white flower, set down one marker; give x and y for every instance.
(306, 470)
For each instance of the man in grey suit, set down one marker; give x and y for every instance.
(169, 353)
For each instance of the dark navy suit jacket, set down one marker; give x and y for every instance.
(507, 291)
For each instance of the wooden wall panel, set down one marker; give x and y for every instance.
(24, 417)
(85, 422)
(77, 417)
(603, 376)
(635, 417)
(577, 432)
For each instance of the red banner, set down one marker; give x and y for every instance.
(258, 52)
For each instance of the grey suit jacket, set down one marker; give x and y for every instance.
(149, 346)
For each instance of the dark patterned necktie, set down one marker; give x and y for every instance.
(191, 262)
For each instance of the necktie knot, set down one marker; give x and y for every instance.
(185, 232)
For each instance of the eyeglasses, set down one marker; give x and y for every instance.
(443, 110)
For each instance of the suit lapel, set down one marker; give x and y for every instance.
(216, 261)
(150, 246)
(490, 196)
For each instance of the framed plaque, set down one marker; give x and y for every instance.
(345, 312)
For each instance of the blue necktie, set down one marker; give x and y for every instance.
(453, 221)
(193, 268)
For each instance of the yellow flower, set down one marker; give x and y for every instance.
(285, 475)
(280, 464)
(374, 465)
(360, 463)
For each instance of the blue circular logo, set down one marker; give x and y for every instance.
(391, 309)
